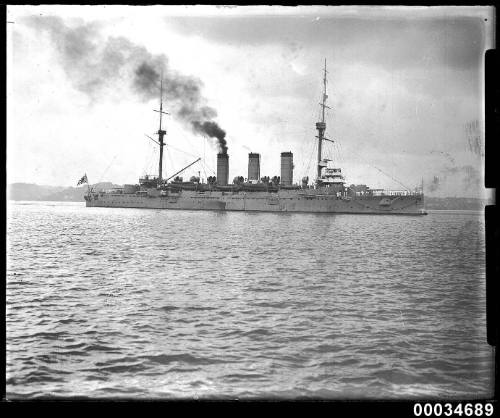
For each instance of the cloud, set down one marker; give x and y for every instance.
(391, 104)
(404, 42)
(96, 65)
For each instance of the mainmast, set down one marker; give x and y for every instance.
(321, 126)
(161, 133)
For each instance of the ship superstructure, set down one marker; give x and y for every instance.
(328, 194)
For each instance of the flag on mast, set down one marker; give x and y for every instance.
(83, 180)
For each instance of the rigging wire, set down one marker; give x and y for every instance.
(364, 161)
(210, 168)
(337, 150)
(337, 153)
(313, 150)
(179, 150)
(305, 144)
(171, 163)
(190, 143)
(315, 114)
(388, 175)
(340, 152)
(203, 161)
(106, 170)
(149, 163)
(207, 168)
(203, 168)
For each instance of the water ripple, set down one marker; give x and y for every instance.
(183, 304)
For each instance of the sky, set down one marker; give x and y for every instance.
(405, 91)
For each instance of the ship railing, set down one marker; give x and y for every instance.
(114, 190)
(386, 192)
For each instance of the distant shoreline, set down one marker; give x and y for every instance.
(34, 193)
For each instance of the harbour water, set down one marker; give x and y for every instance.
(106, 302)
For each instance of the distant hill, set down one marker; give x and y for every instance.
(456, 203)
(28, 191)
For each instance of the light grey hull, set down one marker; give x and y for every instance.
(283, 201)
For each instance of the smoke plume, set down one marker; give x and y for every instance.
(470, 175)
(95, 65)
(434, 184)
(213, 130)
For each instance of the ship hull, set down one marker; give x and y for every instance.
(283, 201)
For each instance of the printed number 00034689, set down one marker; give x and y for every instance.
(448, 409)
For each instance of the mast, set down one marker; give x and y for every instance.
(321, 126)
(161, 133)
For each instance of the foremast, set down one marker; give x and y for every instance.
(321, 126)
(161, 133)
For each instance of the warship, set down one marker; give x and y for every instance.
(327, 194)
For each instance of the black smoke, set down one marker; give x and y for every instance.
(96, 65)
(212, 130)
